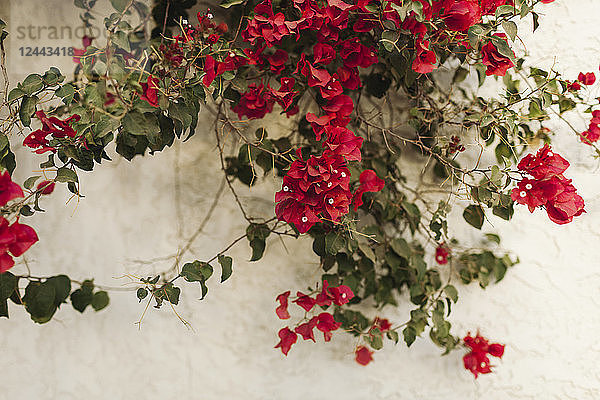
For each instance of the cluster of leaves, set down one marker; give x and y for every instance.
(42, 297)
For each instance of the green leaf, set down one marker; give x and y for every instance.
(170, 293)
(62, 288)
(410, 335)
(510, 28)
(451, 292)
(141, 124)
(230, 3)
(15, 94)
(334, 243)
(401, 247)
(492, 237)
(66, 175)
(66, 92)
(29, 182)
(8, 284)
(258, 248)
(27, 109)
(121, 40)
(119, 5)
(81, 298)
(141, 294)
(474, 215)
(100, 300)
(392, 335)
(32, 84)
(3, 308)
(105, 125)
(39, 301)
(375, 339)
(192, 272)
(226, 267)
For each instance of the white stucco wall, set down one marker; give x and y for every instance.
(545, 310)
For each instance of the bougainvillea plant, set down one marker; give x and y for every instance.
(386, 134)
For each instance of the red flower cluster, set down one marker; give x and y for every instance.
(16, 238)
(477, 360)
(324, 321)
(592, 134)
(50, 126)
(255, 103)
(548, 188)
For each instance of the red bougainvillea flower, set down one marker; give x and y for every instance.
(282, 311)
(573, 86)
(441, 254)
(50, 126)
(266, 26)
(425, 58)
(545, 164)
(593, 132)
(150, 91)
(305, 301)
(462, 15)
(369, 182)
(306, 330)
(323, 53)
(277, 60)
(46, 187)
(341, 294)
(587, 78)
(255, 103)
(25, 237)
(566, 205)
(287, 339)
(343, 142)
(476, 360)
(8, 189)
(210, 70)
(324, 298)
(326, 324)
(363, 355)
(496, 63)
(549, 188)
(16, 239)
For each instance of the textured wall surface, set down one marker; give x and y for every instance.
(545, 310)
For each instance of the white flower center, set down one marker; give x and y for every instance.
(523, 193)
(343, 295)
(304, 219)
(343, 174)
(528, 186)
(330, 201)
(209, 16)
(286, 189)
(329, 184)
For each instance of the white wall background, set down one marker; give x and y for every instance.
(546, 309)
